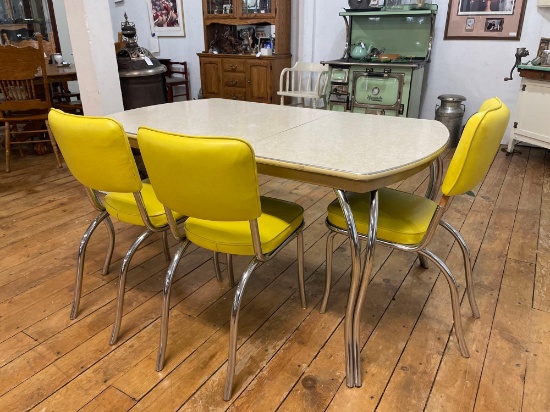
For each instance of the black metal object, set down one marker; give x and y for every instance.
(520, 52)
(141, 74)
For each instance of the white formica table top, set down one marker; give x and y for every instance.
(348, 151)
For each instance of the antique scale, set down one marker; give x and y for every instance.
(382, 69)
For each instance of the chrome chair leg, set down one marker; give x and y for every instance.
(230, 270)
(217, 268)
(301, 284)
(219, 277)
(328, 275)
(122, 283)
(455, 302)
(111, 230)
(80, 260)
(165, 245)
(166, 304)
(423, 261)
(467, 266)
(234, 322)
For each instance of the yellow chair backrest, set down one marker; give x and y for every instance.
(477, 147)
(210, 178)
(96, 151)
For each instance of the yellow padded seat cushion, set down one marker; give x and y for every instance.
(123, 206)
(402, 217)
(279, 219)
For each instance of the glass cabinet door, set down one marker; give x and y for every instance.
(219, 8)
(23, 19)
(256, 7)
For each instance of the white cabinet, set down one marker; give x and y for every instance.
(531, 123)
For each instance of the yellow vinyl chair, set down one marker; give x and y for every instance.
(213, 181)
(408, 222)
(98, 155)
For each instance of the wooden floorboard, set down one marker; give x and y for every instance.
(289, 358)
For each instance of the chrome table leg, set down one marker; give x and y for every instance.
(365, 277)
(351, 361)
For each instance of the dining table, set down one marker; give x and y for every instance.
(59, 74)
(345, 151)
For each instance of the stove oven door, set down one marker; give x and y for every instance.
(377, 93)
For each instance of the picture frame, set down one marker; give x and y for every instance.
(166, 17)
(543, 45)
(484, 19)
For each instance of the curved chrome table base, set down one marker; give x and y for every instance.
(365, 277)
(352, 359)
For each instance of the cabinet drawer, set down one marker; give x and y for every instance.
(234, 80)
(233, 65)
(535, 74)
(233, 93)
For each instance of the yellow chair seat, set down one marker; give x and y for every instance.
(278, 221)
(123, 206)
(402, 217)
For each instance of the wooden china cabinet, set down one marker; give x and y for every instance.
(234, 32)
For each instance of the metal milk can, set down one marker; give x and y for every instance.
(450, 113)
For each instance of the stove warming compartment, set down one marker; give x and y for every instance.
(388, 83)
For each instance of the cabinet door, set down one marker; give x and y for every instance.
(258, 77)
(532, 124)
(211, 77)
(257, 8)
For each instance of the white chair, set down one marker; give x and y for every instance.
(304, 81)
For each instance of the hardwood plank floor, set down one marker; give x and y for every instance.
(289, 359)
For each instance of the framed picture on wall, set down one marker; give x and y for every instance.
(484, 19)
(166, 17)
(543, 45)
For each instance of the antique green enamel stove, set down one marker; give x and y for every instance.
(388, 80)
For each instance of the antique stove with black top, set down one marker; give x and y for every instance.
(386, 53)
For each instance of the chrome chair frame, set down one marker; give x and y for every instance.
(150, 229)
(126, 262)
(93, 195)
(421, 249)
(256, 261)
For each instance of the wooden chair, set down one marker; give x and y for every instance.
(303, 81)
(176, 76)
(24, 101)
(119, 44)
(62, 97)
(48, 46)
